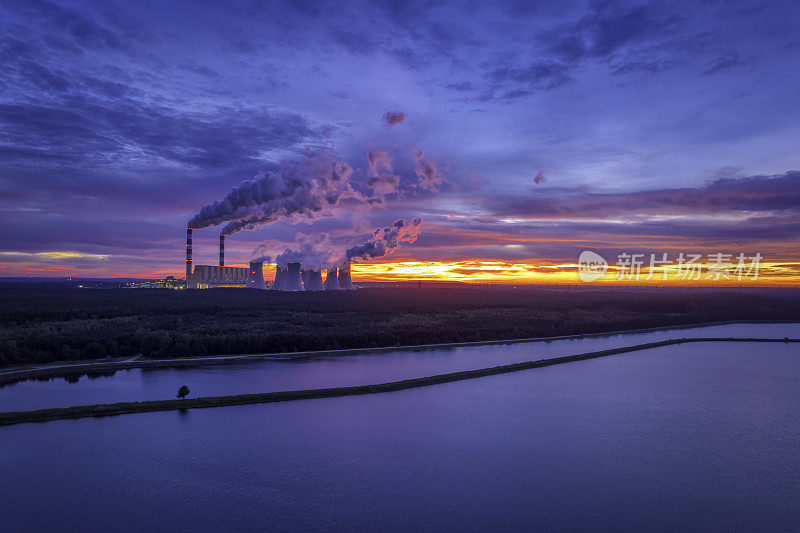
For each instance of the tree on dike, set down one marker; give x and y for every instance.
(183, 392)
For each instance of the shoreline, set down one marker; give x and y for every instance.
(73, 368)
(98, 410)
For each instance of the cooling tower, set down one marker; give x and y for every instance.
(331, 281)
(344, 278)
(314, 282)
(280, 278)
(304, 275)
(294, 280)
(221, 249)
(188, 252)
(255, 278)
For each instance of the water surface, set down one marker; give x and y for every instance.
(688, 437)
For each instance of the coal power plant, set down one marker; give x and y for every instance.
(292, 277)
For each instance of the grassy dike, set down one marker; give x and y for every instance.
(44, 415)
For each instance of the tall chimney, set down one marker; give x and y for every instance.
(188, 252)
(221, 250)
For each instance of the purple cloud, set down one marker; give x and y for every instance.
(392, 118)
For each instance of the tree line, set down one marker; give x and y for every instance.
(55, 323)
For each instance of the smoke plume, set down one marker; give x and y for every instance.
(391, 118)
(299, 190)
(386, 240)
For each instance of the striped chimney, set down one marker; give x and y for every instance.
(188, 252)
(221, 250)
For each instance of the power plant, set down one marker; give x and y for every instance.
(292, 277)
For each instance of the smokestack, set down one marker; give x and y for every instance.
(314, 282)
(294, 280)
(280, 278)
(221, 250)
(331, 281)
(188, 252)
(344, 277)
(255, 278)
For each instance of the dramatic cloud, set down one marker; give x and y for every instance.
(386, 240)
(392, 118)
(381, 177)
(623, 37)
(102, 134)
(722, 196)
(430, 178)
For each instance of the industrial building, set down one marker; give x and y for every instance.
(208, 276)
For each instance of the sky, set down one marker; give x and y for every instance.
(521, 133)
